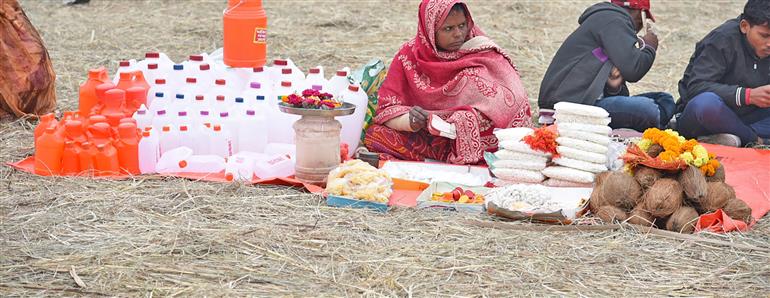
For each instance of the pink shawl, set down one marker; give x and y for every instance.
(479, 76)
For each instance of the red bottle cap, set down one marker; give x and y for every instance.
(286, 71)
(160, 81)
(146, 133)
(342, 73)
(217, 127)
(183, 128)
(204, 67)
(258, 69)
(285, 84)
(220, 97)
(152, 55)
(183, 164)
(192, 80)
(124, 63)
(315, 70)
(353, 88)
(152, 66)
(166, 128)
(280, 62)
(220, 82)
(196, 58)
(199, 97)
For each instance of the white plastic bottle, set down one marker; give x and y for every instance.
(169, 139)
(204, 117)
(202, 164)
(205, 76)
(178, 104)
(176, 77)
(149, 151)
(238, 108)
(143, 118)
(252, 132)
(160, 59)
(201, 135)
(275, 166)
(182, 118)
(285, 149)
(198, 104)
(288, 75)
(193, 64)
(275, 71)
(259, 75)
(124, 66)
(169, 161)
(222, 88)
(219, 105)
(160, 120)
(315, 79)
(151, 72)
(221, 142)
(190, 89)
(239, 167)
(352, 125)
(186, 138)
(229, 124)
(158, 85)
(339, 82)
(281, 123)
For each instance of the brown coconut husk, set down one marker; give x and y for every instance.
(693, 183)
(663, 198)
(609, 214)
(646, 176)
(597, 199)
(719, 175)
(719, 193)
(599, 179)
(683, 220)
(621, 190)
(738, 209)
(641, 217)
(654, 150)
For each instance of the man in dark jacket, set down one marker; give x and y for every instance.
(593, 65)
(726, 87)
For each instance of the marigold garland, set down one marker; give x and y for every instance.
(543, 139)
(676, 147)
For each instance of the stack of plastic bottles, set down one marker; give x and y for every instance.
(200, 116)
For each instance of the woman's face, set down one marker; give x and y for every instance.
(451, 35)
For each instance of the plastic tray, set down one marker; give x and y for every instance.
(424, 200)
(345, 202)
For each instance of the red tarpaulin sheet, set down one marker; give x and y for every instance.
(747, 170)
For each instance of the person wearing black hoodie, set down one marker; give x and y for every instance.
(726, 87)
(594, 63)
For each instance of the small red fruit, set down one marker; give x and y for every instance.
(470, 194)
(456, 194)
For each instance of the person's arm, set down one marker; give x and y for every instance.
(708, 68)
(618, 40)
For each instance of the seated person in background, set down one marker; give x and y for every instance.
(726, 87)
(593, 65)
(452, 71)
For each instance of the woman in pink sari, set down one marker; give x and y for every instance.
(452, 71)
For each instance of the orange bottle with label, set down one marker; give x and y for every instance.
(106, 160)
(46, 121)
(245, 33)
(128, 148)
(48, 153)
(86, 157)
(88, 99)
(70, 159)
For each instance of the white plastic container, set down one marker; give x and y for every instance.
(202, 164)
(157, 86)
(176, 77)
(221, 143)
(149, 152)
(179, 104)
(274, 72)
(253, 93)
(169, 161)
(289, 150)
(240, 167)
(238, 108)
(274, 166)
(230, 125)
(222, 88)
(200, 136)
(160, 119)
(252, 132)
(352, 125)
(282, 130)
(151, 72)
(190, 89)
(186, 138)
(339, 81)
(206, 76)
(198, 104)
(124, 66)
(162, 61)
(315, 79)
(143, 118)
(289, 75)
(169, 139)
(260, 75)
(203, 118)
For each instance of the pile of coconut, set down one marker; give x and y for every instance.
(671, 201)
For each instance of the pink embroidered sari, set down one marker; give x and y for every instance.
(476, 88)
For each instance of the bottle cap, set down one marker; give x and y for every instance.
(285, 84)
(152, 55)
(260, 97)
(286, 71)
(199, 97)
(220, 82)
(220, 97)
(315, 70)
(280, 62)
(224, 114)
(192, 80)
(196, 58)
(124, 63)
(180, 96)
(204, 113)
(152, 66)
(162, 112)
(178, 67)
(166, 128)
(255, 85)
(158, 94)
(342, 73)
(146, 133)
(317, 87)
(183, 128)
(217, 127)
(160, 81)
(182, 113)
(353, 88)
(182, 163)
(250, 112)
(239, 99)
(258, 69)
(204, 67)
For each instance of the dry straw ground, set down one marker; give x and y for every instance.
(150, 236)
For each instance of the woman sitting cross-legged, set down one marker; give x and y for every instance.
(449, 73)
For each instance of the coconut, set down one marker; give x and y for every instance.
(646, 176)
(641, 217)
(597, 199)
(621, 190)
(693, 183)
(599, 179)
(738, 210)
(719, 175)
(718, 194)
(654, 150)
(663, 197)
(683, 220)
(609, 214)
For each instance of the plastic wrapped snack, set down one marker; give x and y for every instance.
(585, 136)
(513, 155)
(580, 165)
(522, 197)
(580, 109)
(569, 174)
(582, 145)
(570, 118)
(360, 180)
(600, 129)
(564, 183)
(582, 155)
(518, 175)
(512, 134)
(521, 147)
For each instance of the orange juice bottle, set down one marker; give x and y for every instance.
(46, 121)
(88, 99)
(128, 148)
(106, 160)
(70, 160)
(48, 153)
(245, 33)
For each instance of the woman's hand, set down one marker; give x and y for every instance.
(615, 81)
(418, 118)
